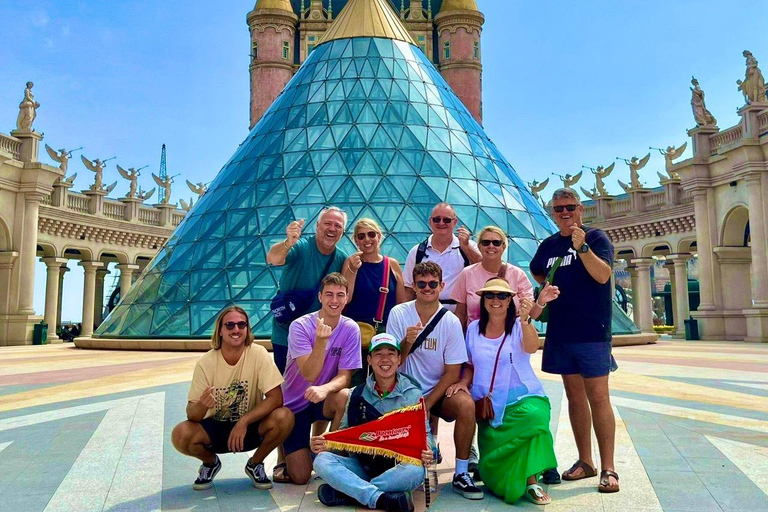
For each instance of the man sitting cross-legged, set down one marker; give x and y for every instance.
(235, 403)
(433, 351)
(375, 482)
(323, 351)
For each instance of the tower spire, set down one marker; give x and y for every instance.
(367, 18)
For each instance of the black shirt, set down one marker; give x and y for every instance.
(582, 312)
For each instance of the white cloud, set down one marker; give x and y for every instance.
(39, 17)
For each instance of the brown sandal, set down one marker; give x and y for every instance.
(605, 481)
(280, 474)
(588, 471)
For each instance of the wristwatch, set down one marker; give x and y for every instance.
(584, 248)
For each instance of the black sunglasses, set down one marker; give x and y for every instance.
(370, 234)
(423, 284)
(569, 207)
(486, 243)
(497, 295)
(231, 325)
(443, 220)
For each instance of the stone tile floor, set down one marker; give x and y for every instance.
(88, 430)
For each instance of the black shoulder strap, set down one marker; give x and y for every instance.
(360, 410)
(428, 329)
(421, 251)
(464, 257)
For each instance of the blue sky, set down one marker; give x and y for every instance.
(566, 84)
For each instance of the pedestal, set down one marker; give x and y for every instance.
(603, 204)
(132, 205)
(30, 143)
(60, 191)
(672, 191)
(700, 136)
(748, 113)
(636, 198)
(95, 201)
(165, 214)
(757, 325)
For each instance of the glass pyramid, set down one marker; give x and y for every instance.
(366, 124)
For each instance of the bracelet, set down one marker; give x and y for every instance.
(350, 269)
(285, 244)
(542, 306)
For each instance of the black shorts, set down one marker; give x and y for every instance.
(436, 410)
(219, 432)
(591, 359)
(299, 436)
(280, 354)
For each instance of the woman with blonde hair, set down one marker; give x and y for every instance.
(375, 285)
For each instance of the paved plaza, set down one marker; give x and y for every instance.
(85, 430)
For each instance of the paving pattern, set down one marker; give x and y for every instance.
(85, 430)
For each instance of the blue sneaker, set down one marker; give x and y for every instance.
(205, 475)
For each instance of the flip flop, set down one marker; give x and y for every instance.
(587, 471)
(605, 482)
(280, 474)
(535, 494)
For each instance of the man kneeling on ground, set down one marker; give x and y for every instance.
(235, 403)
(376, 482)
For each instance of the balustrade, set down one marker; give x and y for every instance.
(620, 206)
(762, 123)
(114, 210)
(724, 137)
(654, 199)
(149, 216)
(11, 145)
(77, 202)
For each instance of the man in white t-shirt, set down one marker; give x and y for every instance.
(434, 359)
(451, 252)
(235, 403)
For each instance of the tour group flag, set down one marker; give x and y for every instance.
(400, 434)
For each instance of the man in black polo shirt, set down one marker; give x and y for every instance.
(578, 341)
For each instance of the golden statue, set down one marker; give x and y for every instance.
(634, 167)
(600, 174)
(165, 184)
(537, 187)
(670, 155)
(569, 181)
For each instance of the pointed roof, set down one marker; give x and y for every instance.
(283, 5)
(367, 18)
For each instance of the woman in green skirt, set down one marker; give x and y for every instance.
(515, 443)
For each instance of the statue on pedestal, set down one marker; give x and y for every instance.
(670, 155)
(144, 195)
(702, 116)
(201, 188)
(592, 194)
(165, 184)
(634, 170)
(131, 175)
(61, 158)
(27, 109)
(186, 206)
(600, 174)
(569, 181)
(96, 166)
(753, 86)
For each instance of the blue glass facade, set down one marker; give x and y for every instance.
(366, 124)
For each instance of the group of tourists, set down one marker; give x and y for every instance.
(357, 336)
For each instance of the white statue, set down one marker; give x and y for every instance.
(199, 189)
(27, 109)
(702, 116)
(670, 155)
(569, 181)
(592, 194)
(537, 187)
(145, 195)
(753, 86)
(165, 184)
(131, 175)
(96, 166)
(600, 174)
(634, 167)
(186, 206)
(62, 157)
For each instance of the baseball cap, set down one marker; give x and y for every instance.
(383, 340)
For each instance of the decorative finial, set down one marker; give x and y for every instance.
(330, 10)
(402, 9)
(429, 9)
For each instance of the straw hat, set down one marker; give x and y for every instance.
(497, 285)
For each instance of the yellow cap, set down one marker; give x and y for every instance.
(458, 5)
(367, 18)
(283, 5)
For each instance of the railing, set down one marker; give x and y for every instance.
(149, 216)
(655, 199)
(762, 123)
(621, 206)
(11, 145)
(590, 211)
(723, 138)
(686, 197)
(176, 218)
(78, 202)
(114, 210)
(47, 199)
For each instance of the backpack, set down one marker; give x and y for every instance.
(421, 251)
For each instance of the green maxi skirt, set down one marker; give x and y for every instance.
(518, 448)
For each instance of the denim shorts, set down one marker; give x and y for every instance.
(589, 359)
(299, 436)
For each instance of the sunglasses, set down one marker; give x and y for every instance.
(569, 207)
(486, 243)
(231, 325)
(370, 234)
(442, 220)
(423, 284)
(497, 295)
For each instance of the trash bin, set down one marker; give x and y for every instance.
(40, 336)
(691, 329)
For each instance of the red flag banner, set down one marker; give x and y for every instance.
(400, 434)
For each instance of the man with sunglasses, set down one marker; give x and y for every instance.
(451, 252)
(433, 351)
(578, 340)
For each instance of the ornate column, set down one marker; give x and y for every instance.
(757, 233)
(682, 310)
(89, 292)
(98, 296)
(7, 259)
(676, 321)
(633, 285)
(642, 295)
(704, 249)
(126, 277)
(28, 253)
(52, 295)
(64, 270)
